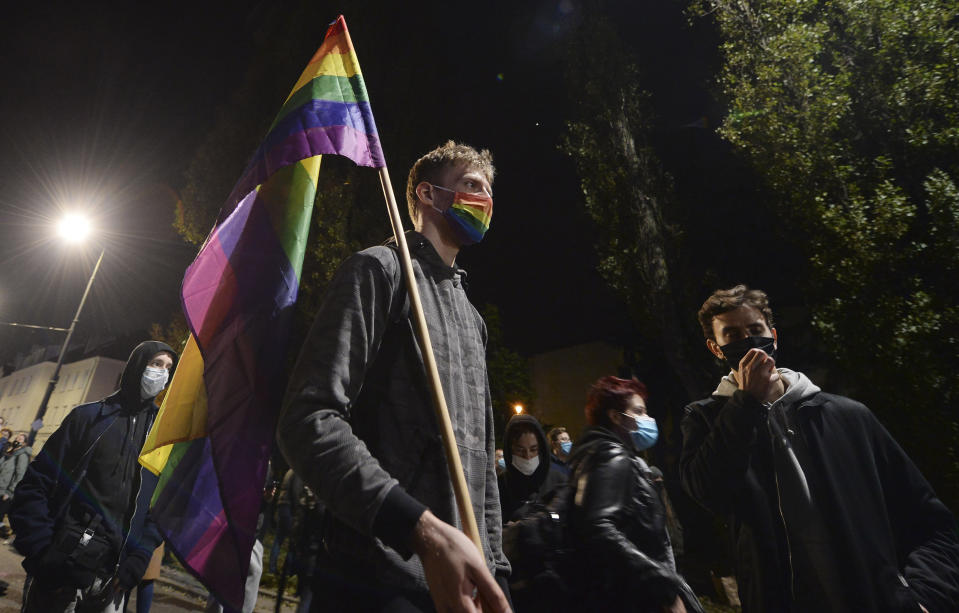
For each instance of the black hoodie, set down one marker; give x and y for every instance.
(113, 430)
(516, 490)
(113, 477)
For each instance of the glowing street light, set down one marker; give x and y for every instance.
(74, 229)
(518, 408)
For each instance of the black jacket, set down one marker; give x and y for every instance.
(516, 490)
(894, 542)
(617, 528)
(113, 430)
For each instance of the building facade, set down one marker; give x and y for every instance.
(84, 381)
(562, 378)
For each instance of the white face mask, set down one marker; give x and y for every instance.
(153, 381)
(527, 467)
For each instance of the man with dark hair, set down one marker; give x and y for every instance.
(358, 424)
(827, 512)
(560, 444)
(81, 511)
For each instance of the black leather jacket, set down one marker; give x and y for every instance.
(617, 526)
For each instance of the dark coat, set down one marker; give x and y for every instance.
(894, 541)
(617, 528)
(516, 490)
(113, 431)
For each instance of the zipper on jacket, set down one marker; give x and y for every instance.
(126, 447)
(129, 529)
(136, 503)
(782, 516)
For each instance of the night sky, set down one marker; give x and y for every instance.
(102, 106)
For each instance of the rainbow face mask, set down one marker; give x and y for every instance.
(468, 215)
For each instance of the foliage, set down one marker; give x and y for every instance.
(850, 110)
(624, 188)
(509, 374)
(175, 333)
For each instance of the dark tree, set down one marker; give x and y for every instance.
(849, 111)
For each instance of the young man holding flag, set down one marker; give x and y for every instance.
(357, 424)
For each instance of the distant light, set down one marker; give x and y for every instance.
(518, 408)
(74, 228)
(500, 76)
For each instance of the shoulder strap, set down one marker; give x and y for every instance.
(399, 289)
(79, 472)
(401, 314)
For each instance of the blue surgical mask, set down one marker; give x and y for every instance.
(501, 462)
(566, 446)
(646, 432)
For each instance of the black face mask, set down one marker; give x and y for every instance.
(735, 351)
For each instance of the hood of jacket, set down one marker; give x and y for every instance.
(128, 395)
(539, 475)
(798, 387)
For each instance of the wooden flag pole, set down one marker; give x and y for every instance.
(463, 503)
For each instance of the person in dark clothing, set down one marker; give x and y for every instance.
(529, 475)
(289, 497)
(827, 512)
(81, 510)
(617, 524)
(527, 485)
(307, 541)
(560, 446)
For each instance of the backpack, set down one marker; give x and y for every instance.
(538, 546)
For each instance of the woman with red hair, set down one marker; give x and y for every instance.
(616, 520)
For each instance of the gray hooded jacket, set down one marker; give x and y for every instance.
(358, 425)
(12, 469)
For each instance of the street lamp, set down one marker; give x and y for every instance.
(518, 408)
(74, 229)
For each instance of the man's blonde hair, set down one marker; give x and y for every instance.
(431, 166)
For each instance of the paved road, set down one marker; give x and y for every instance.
(174, 592)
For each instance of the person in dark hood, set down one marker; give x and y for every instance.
(529, 474)
(526, 486)
(81, 510)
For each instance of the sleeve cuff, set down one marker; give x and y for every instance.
(396, 519)
(747, 409)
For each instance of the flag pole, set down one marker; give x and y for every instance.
(460, 490)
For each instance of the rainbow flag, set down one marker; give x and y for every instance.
(212, 439)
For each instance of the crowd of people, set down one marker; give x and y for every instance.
(826, 511)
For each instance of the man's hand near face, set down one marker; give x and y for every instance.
(454, 567)
(758, 377)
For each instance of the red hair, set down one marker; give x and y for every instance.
(611, 393)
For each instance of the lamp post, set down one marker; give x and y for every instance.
(73, 229)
